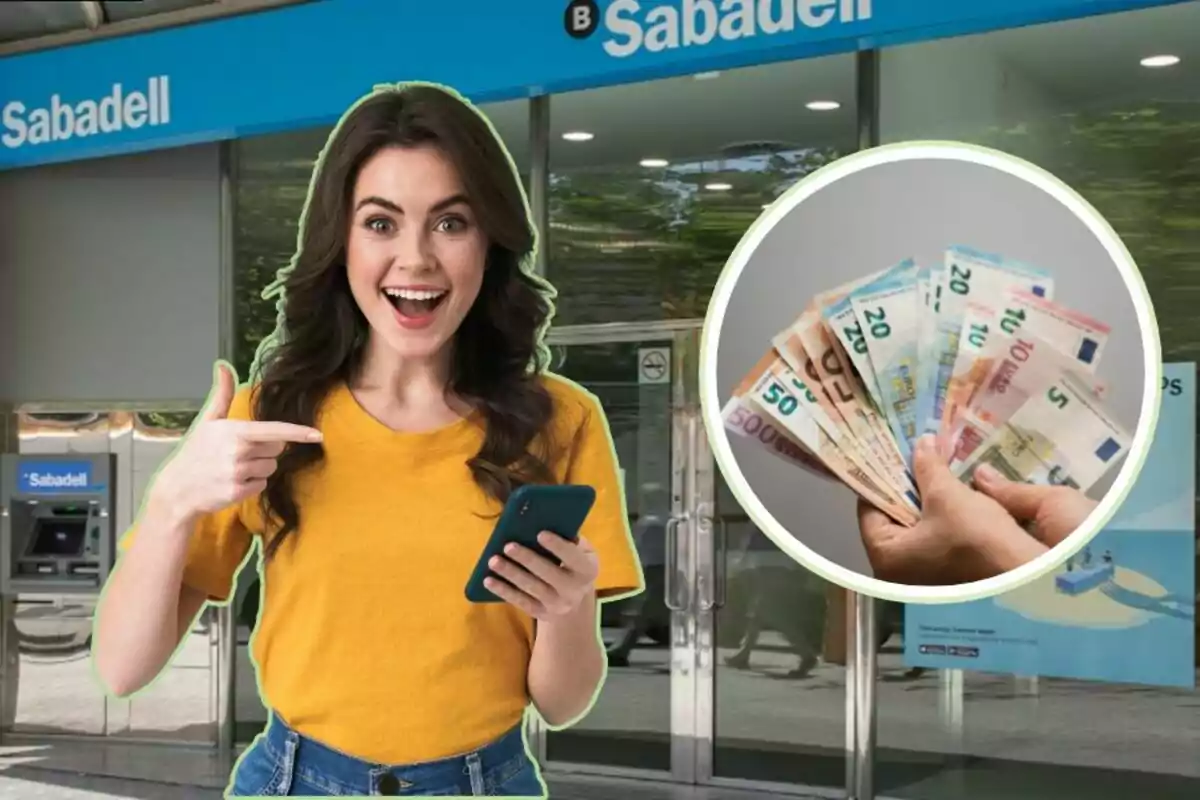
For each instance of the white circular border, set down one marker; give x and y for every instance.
(710, 396)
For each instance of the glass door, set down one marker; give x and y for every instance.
(644, 719)
(772, 679)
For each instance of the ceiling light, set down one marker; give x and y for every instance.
(707, 76)
(718, 187)
(653, 163)
(1160, 61)
(823, 105)
(578, 136)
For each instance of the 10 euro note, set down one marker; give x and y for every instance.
(1061, 436)
(970, 275)
(1071, 332)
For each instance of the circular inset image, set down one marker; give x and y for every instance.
(930, 372)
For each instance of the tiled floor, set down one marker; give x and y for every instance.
(18, 783)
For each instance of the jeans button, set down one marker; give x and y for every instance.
(389, 784)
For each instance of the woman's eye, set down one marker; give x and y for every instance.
(379, 225)
(452, 225)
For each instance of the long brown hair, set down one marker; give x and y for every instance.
(321, 333)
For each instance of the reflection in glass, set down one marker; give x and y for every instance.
(1074, 99)
(644, 216)
(629, 725)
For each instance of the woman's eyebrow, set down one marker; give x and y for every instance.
(374, 200)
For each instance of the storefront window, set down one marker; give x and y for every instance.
(1073, 98)
(645, 212)
(652, 186)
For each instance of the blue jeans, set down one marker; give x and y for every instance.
(282, 763)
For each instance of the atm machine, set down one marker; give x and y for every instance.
(57, 540)
(56, 531)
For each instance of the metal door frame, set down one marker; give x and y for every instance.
(686, 704)
(702, 548)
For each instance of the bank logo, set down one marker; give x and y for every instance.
(630, 26)
(55, 476)
(59, 120)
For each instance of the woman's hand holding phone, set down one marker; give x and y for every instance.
(537, 585)
(223, 461)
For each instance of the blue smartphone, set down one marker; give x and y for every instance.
(531, 509)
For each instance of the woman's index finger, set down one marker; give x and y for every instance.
(277, 432)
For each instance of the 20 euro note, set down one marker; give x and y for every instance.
(928, 291)
(846, 379)
(839, 318)
(888, 315)
(785, 408)
(1060, 436)
(1027, 366)
(970, 275)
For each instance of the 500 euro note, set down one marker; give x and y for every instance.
(1060, 436)
(779, 400)
(1028, 365)
(973, 275)
(746, 418)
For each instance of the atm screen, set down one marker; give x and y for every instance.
(59, 537)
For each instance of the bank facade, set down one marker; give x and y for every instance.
(152, 182)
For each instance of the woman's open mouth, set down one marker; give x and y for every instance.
(415, 305)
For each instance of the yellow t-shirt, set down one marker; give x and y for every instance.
(365, 640)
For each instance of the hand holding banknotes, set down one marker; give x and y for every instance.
(1055, 511)
(963, 535)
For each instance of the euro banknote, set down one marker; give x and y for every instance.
(888, 315)
(1060, 436)
(1028, 364)
(969, 275)
(974, 348)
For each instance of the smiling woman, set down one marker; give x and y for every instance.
(402, 399)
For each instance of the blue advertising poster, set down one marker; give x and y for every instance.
(1122, 610)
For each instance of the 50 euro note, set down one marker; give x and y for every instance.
(810, 351)
(1061, 436)
(801, 415)
(741, 415)
(1027, 365)
(887, 312)
(970, 275)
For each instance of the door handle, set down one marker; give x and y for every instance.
(722, 565)
(714, 598)
(671, 571)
